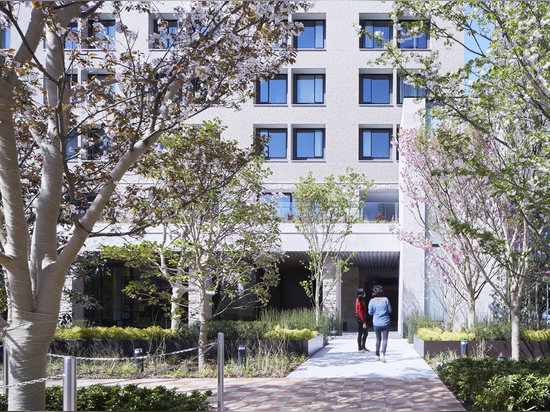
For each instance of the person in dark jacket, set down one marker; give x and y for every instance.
(361, 317)
(380, 309)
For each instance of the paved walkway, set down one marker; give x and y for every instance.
(336, 378)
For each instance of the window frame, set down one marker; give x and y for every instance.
(306, 130)
(280, 76)
(364, 37)
(268, 130)
(315, 25)
(362, 76)
(315, 77)
(415, 40)
(362, 130)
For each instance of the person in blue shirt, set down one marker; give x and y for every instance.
(380, 309)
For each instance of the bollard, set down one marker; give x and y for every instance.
(241, 355)
(5, 363)
(138, 362)
(464, 348)
(220, 371)
(69, 383)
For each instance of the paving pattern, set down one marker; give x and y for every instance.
(336, 378)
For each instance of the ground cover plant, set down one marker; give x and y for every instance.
(490, 384)
(125, 398)
(496, 332)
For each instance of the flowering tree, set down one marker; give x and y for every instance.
(427, 178)
(326, 213)
(506, 102)
(218, 237)
(211, 56)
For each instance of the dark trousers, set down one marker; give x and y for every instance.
(381, 335)
(361, 334)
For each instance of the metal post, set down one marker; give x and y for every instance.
(241, 355)
(6, 370)
(138, 362)
(464, 348)
(220, 371)
(547, 314)
(69, 383)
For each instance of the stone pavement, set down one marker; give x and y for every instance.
(336, 378)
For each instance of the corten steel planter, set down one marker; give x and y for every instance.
(493, 348)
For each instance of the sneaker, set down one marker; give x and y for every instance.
(366, 350)
(383, 358)
(377, 358)
(362, 350)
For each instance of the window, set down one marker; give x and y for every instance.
(276, 143)
(309, 88)
(5, 38)
(313, 36)
(71, 79)
(103, 77)
(72, 148)
(101, 34)
(383, 28)
(286, 209)
(413, 40)
(381, 206)
(374, 144)
(272, 91)
(167, 29)
(309, 143)
(95, 143)
(71, 37)
(408, 90)
(375, 88)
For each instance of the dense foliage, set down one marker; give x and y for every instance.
(490, 384)
(125, 398)
(495, 331)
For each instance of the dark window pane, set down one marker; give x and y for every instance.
(309, 144)
(263, 95)
(368, 41)
(406, 42)
(367, 152)
(73, 27)
(367, 90)
(380, 144)
(381, 89)
(309, 88)
(313, 35)
(277, 90)
(383, 29)
(276, 146)
(421, 42)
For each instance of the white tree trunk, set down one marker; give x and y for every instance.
(177, 293)
(471, 310)
(515, 332)
(203, 333)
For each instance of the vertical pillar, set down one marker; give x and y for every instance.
(220, 370)
(69, 383)
(332, 290)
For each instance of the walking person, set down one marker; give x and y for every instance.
(361, 317)
(380, 309)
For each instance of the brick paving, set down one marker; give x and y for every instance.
(404, 383)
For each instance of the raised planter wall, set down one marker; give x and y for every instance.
(125, 348)
(493, 348)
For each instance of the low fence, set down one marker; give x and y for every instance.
(70, 371)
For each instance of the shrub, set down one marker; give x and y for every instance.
(114, 332)
(539, 335)
(515, 392)
(278, 333)
(125, 398)
(471, 379)
(416, 321)
(439, 334)
(490, 330)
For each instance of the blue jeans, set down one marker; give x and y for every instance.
(381, 335)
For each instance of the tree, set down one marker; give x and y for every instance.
(218, 238)
(211, 57)
(506, 102)
(327, 212)
(427, 178)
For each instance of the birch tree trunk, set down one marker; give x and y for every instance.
(515, 342)
(177, 293)
(203, 332)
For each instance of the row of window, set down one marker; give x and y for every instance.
(373, 211)
(310, 143)
(310, 89)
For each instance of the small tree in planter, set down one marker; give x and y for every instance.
(326, 213)
(218, 237)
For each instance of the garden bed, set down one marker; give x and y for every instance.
(125, 347)
(492, 348)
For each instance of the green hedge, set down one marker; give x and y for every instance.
(439, 334)
(125, 398)
(490, 384)
(483, 332)
(278, 333)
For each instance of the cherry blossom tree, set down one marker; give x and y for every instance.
(502, 92)
(218, 237)
(211, 56)
(327, 211)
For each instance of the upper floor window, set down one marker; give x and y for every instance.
(411, 38)
(272, 91)
(309, 143)
(95, 143)
(309, 88)
(103, 78)
(374, 144)
(71, 37)
(101, 33)
(72, 148)
(313, 35)
(167, 29)
(371, 30)
(276, 143)
(5, 38)
(409, 90)
(375, 88)
(286, 208)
